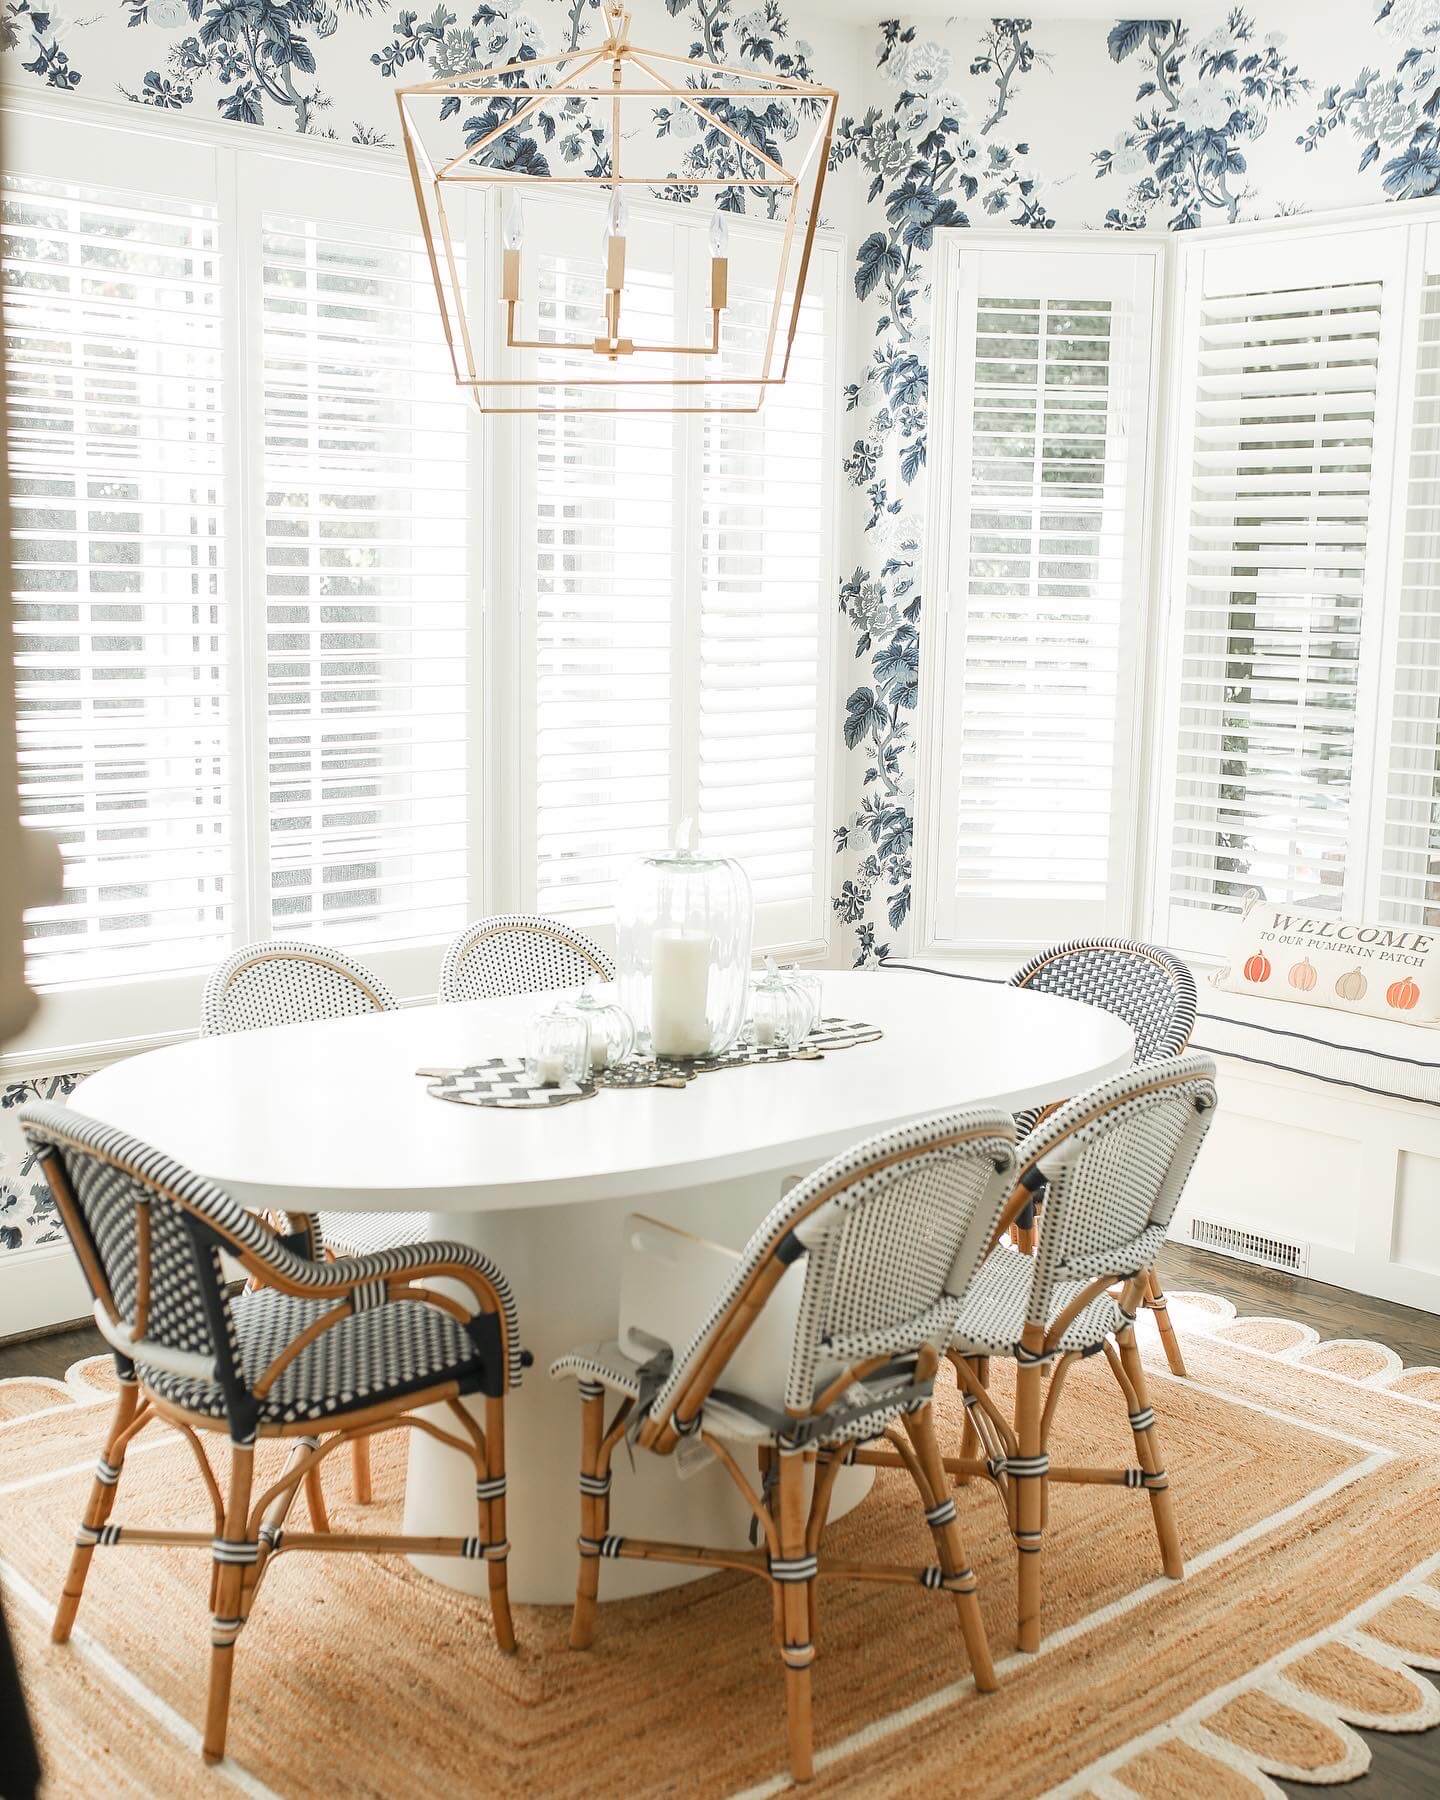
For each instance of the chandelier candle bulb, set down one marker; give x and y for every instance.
(680, 980)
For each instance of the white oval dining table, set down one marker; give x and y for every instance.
(331, 1116)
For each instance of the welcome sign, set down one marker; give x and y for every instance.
(1286, 953)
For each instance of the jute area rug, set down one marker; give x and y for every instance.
(1306, 1477)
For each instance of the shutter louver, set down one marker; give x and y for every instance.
(603, 559)
(1286, 387)
(113, 370)
(365, 523)
(761, 649)
(1044, 602)
(1410, 851)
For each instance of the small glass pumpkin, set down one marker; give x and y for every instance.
(809, 984)
(612, 1034)
(683, 926)
(557, 1047)
(779, 1010)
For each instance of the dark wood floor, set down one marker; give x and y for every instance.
(1405, 1766)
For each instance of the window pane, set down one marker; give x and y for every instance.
(761, 610)
(365, 529)
(113, 339)
(1410, 874)
(1278, 541)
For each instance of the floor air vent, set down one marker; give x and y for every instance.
(1251, 1246)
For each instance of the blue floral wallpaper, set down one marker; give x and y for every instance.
(1122, 125)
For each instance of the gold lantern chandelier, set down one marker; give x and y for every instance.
(608, 86)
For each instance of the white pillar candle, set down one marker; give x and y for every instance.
(599, 1050)
(549, 1070)
(679, 987)
(764, 1032)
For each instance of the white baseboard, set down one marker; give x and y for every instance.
(41, 1287)
(1355, 1177)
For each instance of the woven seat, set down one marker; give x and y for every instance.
(1154, 993)
(517, 953)
(321, 1353)
(390, 1351)
(1115, 1161)
(994, 1318)
(891, 1236)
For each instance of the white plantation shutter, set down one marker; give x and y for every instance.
(1043, 451)
(1277, 646)
(122, 613)
(365, 524)
(763, 667)
(602, 543)
(1410, 851)
(676, 573)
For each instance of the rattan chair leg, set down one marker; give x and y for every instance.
(594, 1516)
(798, 1650)
(493, 1527)
(315, 1500)
(950, 1549)
(97, 1510)
(1160, 1306)
(969, 1437)
(1029, 1488)
(226, 1624)
(1147, 1450)
(360, 1470)
(767, 1459)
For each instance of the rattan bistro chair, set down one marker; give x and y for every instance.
(890, 1234)
(1116, 1161)
(281, 982)
(515, 953)
(328, 1351)
(1154, 993)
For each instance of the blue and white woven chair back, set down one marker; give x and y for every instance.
(514, 953)
(892, 1251)
(886, 1229)
(286, 981)
(1116, 1160)
(1149, 988)
(123, 1190)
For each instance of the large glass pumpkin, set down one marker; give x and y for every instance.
(683, 927)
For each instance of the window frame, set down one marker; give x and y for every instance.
(73, 138)
(942, 579)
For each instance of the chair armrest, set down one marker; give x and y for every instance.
(366, 1281)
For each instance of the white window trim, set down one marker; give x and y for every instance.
(80, 1026)
(939, 578)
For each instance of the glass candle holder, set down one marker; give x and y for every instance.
(683, 927)
(612, 1034)
(557, 1047)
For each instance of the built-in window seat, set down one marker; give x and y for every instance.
(1325, 1156)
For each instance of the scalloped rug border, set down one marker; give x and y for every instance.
(1233, 1741)
(1292, 1718)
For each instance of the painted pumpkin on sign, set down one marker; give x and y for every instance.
(1302, 975)
(1402, 995)
(1351, 985)
(1257, 969)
